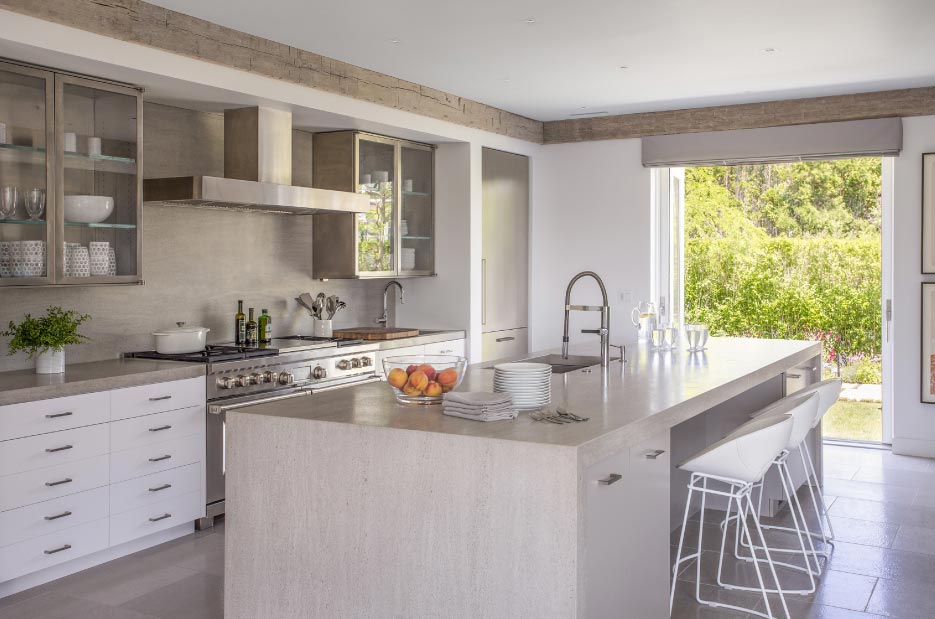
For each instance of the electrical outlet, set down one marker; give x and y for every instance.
(624, 296)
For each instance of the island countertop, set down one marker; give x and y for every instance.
(653, 391)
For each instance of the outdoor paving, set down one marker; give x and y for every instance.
(862, 393)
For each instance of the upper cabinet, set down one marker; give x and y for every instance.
(70, 188)
(396, 238)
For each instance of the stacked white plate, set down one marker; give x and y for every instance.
(530, 384)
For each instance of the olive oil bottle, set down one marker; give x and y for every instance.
(240, 325)
(251, 339)
(265, 324)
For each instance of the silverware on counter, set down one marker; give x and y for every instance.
(557, 416)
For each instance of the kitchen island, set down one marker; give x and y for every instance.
(346, 504)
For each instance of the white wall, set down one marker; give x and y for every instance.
(913, 422)
(592, 212)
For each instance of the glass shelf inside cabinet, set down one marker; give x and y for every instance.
(101, 163)
(22, 154)
(24, 222)
(73, 224)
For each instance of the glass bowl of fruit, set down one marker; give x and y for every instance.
(423, 379)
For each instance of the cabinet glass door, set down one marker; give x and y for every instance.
(26, 256)
(416, 221)
(376, 229)
(99, 143)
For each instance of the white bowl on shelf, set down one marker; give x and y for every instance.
(88, 209)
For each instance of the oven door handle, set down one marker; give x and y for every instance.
(357, 383)
(220, 409)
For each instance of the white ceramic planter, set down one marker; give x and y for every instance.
(322, 328)
(50, 361)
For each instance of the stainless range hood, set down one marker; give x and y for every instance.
(257, 173)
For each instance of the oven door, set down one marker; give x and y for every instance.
(216, 442)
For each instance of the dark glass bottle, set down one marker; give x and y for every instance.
(265, 325)
(240, 325)
(251, 339)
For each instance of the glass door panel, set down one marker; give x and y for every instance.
(99, 143)
(25, 176)
(376, 229)
(417, 225)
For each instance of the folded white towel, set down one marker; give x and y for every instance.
(492, 417)
(478, 398)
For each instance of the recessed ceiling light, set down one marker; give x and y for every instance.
(504, 79)
(624, 66)
(394, 41)
(530, 20)
(769, 50)
(591, 113)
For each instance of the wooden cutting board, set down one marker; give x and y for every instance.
(375, 333)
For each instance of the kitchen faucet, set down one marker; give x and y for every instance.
(402, 299)
(604, 309)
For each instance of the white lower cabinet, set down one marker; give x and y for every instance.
(155, 517)
(45, 551)
(627, 533)
(47, 517)
(83, 473)
(452, 347)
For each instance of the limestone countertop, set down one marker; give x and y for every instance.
(629, 403)
(26, 386)
(426, 336)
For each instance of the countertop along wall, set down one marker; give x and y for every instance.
(197, 262)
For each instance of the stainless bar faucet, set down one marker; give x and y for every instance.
(402, 299)
(604, 309)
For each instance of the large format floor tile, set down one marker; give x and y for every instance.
(52, 605)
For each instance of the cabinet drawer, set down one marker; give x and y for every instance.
(453, 347)
(53, 482)
(158, 428)
(35, 452)
(156, 398)
(42, 552)
(29, 418)
(134, 493)
(500, 344)
(17, 525)
(155, 517)
(157, 457)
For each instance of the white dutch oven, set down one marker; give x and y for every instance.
(181, 340)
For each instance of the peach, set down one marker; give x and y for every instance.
(433, 389)
(418, 380)
(448, 376)
(397, 377)
(410, 390)
(411, 369)
(429, 371)
(447, 388)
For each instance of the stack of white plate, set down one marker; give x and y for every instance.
(530, 384)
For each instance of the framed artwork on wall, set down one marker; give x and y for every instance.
(928, 343)
(928, 213)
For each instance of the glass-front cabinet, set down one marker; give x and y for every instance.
(70, 151)
(396, 238)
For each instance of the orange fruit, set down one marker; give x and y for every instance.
(433, 389)
(397, 377)
(448, 376)
(418, 380)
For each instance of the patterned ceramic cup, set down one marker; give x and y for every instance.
(111, 262)
(32, 254)
(5, 266)
(80, 261)
(99, 254)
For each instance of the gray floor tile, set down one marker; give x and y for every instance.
(865, 532)
(902, 599)
(52, 605)
(120, 581)
(840, 470)
(811, 610)
(925, 497)
(16, 598)
(915, 539)
(686, 607)
(200, 596)
(896, 477)
(870, 491)
(201, 554)
(879, 511)
(880, 458)
(884, 562)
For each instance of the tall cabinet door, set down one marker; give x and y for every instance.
(27, 177)
(505, 252)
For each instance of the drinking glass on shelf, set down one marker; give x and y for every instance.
(9, 194)
(658, 338)
(35, 203)
(671, 337)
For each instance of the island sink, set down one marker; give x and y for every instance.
(560, 365)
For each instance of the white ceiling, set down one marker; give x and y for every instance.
(679, 53)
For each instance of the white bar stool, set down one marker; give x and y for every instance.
(802, 409)
(739, 461)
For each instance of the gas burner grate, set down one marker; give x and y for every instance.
(323, 340)
(211, 353)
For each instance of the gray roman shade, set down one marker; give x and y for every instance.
(838, 140)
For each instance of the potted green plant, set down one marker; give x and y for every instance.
(46, 337)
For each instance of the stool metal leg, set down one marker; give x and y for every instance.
(823, 514)
(678, 554)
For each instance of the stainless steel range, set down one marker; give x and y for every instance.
(289, 367)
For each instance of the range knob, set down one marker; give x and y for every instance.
(240, 381)
(343, 364)
(319, 372)
(355, 363)
(269, 376)
(225, 382)
(255, 379)
(366, 362)
(285, 378)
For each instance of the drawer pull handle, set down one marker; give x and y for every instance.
(52, 450)
(505, 339)
(610, 479)
(793, 376)
(162, 517)
(654, 454)
(67, 480)
(57, 516)
(162, 397)
(54, 550)
(160, 458)
(162, 487)
(160, 428)
(57, 415)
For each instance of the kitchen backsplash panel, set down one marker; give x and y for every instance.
(196, 262)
